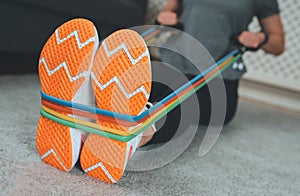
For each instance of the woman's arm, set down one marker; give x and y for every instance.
(172, 6)
(274, 29)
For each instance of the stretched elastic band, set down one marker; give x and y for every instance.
(88, 115)
(154, 33)
(122, 122)
(85, 123)
(130, 118)
(148, 31)
(147, 123)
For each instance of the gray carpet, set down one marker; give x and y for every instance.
(257, 154)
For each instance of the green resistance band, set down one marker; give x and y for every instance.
(130, 137)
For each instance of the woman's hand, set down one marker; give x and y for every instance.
(167, 18)
(251, 40)
(168, 15)
(273, 27)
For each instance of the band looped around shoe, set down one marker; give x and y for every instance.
(142, 121)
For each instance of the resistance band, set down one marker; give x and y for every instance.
(147, 112)
(122, 122)
(147, 123)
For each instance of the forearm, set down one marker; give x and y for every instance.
(274, 29)
(172, 5)
(275, 45)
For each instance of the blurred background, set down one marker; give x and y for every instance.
(256, 154)
(270, 80)
(26, 25)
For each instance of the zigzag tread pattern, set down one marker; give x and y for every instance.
(77, 38)
(115, 79)
(118, 57)
(52, 151)
(71, 59)
(61, 66)
(101, 165)
(125, 48)
(64, 63)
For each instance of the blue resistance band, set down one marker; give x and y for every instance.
(151, 30)
(130, 118)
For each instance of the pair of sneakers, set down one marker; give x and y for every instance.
(117, 75)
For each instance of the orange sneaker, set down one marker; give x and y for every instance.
(121, 79)
(64, 69)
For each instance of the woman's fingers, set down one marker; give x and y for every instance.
(167, 18)
(252, 40)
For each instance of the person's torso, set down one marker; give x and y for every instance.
(215, 23)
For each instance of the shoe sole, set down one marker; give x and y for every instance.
(64, 70)
(121, 80)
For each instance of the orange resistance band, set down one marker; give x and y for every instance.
(125, 123)
(152, 34)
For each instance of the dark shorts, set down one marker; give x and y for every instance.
(169, 126)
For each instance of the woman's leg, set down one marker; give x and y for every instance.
(232, 99)
(169, 128)
(166, 79)
(231, 88)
